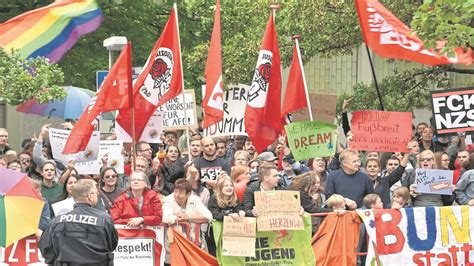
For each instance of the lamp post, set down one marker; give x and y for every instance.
(114, 43)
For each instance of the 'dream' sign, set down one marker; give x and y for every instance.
(453, 110)
(381, 131)
(420, 236)
(309, 139)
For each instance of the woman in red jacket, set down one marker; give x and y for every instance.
(138, 205)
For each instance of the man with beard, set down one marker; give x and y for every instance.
(209, 165)
(250, 148)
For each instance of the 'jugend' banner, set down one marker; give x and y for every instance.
(453, 110)
(420, 236)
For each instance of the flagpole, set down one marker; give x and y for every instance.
(300, 61)
(182, 84)
(375, 78)
(132, 105)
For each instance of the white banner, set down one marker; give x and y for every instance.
(113, 148)
(58, 138)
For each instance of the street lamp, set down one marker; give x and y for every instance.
(114, 43)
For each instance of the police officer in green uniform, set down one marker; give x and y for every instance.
(84, 236)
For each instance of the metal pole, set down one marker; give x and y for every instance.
(300, 61)
(375, 78)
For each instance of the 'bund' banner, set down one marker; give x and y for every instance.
(381, 131)
(281, 247)
(420, 236)
(453, 110)
(311, 139)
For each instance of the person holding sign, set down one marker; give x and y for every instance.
(426, 161)
(465, 185)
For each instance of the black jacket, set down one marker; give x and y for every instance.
(218, 213)
(308, 204)
(84, 236)
(249, 197)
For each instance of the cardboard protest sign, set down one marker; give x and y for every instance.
(235, 100)
(311, 139)
(434, 181)
(419, 236)
(238, 236)
(140, 246)
(173, 111)
(58, 138)
(278, 210)
(151, 133)
(453, 110)
(113, 149)
(381, 131)
(323, 107)
(281, 247)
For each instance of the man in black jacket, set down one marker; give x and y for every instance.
(84, 236)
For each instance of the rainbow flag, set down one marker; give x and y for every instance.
(52, 30)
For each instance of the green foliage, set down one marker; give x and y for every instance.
(403, 91)
(22, 80)
(448, 20)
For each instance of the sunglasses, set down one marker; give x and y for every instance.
(426, 159)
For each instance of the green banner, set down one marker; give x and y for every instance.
(284, 247)
(311, 139)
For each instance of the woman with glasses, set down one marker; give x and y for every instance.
(109, 190)
(426, 160)
(138, 205)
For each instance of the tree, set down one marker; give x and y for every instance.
(24, 79)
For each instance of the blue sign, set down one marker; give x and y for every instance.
(100, 77)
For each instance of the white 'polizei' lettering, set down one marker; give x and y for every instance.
(74, 218)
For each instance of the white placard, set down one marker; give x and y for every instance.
(235, 100)
(172, 111)
(58, 138)
(63, 206)
(151, 133)
(114, 150)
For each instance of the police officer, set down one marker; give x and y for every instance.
(84, 236)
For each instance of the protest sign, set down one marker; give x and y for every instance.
(173, 111)
(238, 236)
(63, 206)
(151, 133)
(22, 252)
(420, 236)
(138, 246)
(278, 210)
(235, 100)
(434, 181)
(311, 139)
(113, 149)
(58, 138)
(281, 247)
(381, 131)
(323, 108)
(453, 110)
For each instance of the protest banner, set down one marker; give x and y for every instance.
(281, 247)
(381, 131)
(238, 236)
(63, 206)
(420, 236)
(311, 139)
(434, 181)
(172, 111)
(453, 110)
(235, 100)
(58, 138)
(278, 210)
(22, 252)
(138, 246)
(113, 149)
(323, 107)
(151, 133)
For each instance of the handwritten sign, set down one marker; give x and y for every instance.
(173, 111)
(434, 181)
(238, 236)
(58, 139)
(323, 108)
(311, 139)
(381, 131)
(113, 148)
(452, 110)
(235, 100)
(151, 133)
(278, 210)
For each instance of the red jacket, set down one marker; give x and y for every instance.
(126, 207)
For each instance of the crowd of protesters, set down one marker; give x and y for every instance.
(215, 177)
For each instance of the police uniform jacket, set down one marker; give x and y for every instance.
(84, 236)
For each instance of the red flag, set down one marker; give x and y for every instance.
(160, 80)
(185, 252)
(386, 35)
(113, 94)
(262, 113)
(295, 95)
(213, 102)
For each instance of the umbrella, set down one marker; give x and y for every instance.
(71, 107)
(20, 207)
